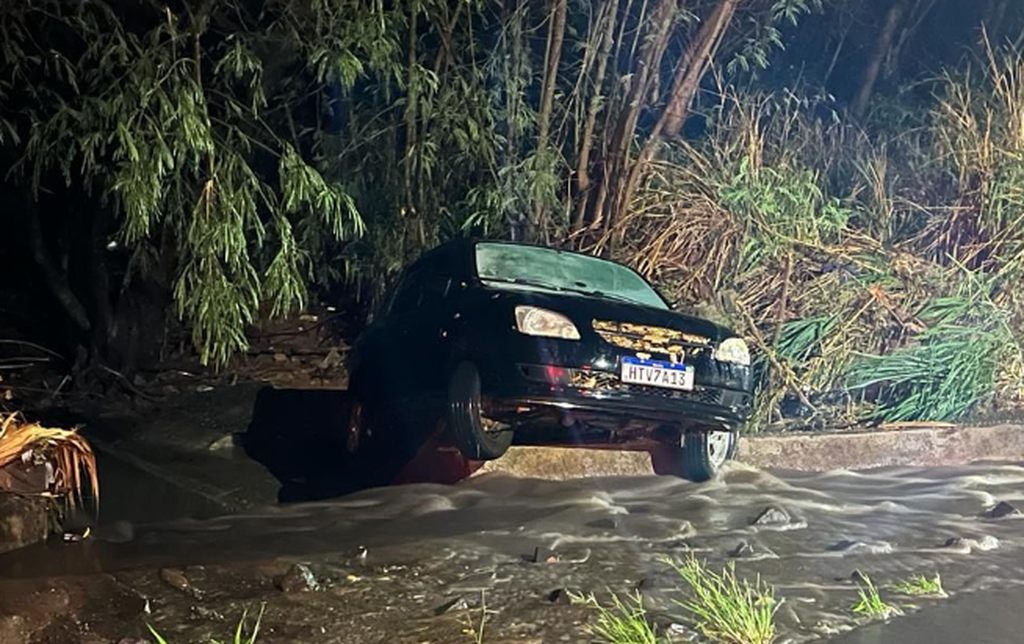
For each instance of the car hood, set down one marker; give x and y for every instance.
(583, 309)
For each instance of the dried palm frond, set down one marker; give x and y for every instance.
(75, 474)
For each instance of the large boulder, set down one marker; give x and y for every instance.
(24, 520)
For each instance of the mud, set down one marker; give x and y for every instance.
(417, 563)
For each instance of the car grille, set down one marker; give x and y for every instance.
(650, 339)
(601, 382)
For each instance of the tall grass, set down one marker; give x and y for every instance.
(726, 609)
(884, 270)
(870, 603)
(624, 621)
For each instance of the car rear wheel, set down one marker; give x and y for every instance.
(704, 453)
(477, 437)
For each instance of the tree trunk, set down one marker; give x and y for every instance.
(883, 44)
(616, 161)
(412, 91)
(689, 73)
(552, 57)
(56, 281)
(694, 64)
(594, 107)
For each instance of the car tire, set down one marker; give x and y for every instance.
(466, 419)
(703, 453)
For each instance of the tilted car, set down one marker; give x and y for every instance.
(512, 342)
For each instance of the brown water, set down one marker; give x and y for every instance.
(429, 544)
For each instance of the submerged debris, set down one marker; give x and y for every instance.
(771, 516)
(299, 578)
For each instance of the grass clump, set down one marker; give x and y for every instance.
(624, 622)
(920, 585)
(727, 609)
(870, 602)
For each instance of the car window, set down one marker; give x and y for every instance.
(533, 267)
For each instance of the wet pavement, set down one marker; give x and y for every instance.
(417, 563)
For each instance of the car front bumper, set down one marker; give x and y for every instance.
(598, 398)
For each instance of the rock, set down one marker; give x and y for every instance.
(171, 390)
(223, 444)
(331, 361)
(299, 578)
(176, 580)
(206, 614)
(743, 550)
(131, 640)
(204, 389)
(676, 632)
(771, 516)
(559, 596)
(857, 547)
(24, 520)
(604, 524)
(280, 357)
(541, 555)
(1003, 509)
(954, 542)
(452, 605)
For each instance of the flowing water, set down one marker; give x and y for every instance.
(391, 560)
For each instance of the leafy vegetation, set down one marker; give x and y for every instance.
(183, 172)
(726, 609)
(870, 602)
(623, 622)
(920, 585)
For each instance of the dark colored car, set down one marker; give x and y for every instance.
(508, 341)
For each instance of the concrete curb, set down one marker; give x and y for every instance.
(924, 447)
(921, 447)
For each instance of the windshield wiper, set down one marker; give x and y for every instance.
(565, 289)
(607, 296)
(524, 282)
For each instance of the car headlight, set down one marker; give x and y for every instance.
(733, 350)
(532, 320)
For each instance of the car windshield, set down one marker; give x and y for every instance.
(547, 268)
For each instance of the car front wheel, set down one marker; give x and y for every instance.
(703, 453)
(477, 437)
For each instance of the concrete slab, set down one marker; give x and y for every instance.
(919, 447)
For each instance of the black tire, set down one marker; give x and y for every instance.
(466, 420)
(701, 455)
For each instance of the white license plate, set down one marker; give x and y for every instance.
(652, 373)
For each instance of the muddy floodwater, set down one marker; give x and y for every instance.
(420, 563)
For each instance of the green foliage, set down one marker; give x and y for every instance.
(623, 622)
(780, 207)
(729, 610)
(951, 367)
(920, 585)
(177, 126)
(870, 602)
